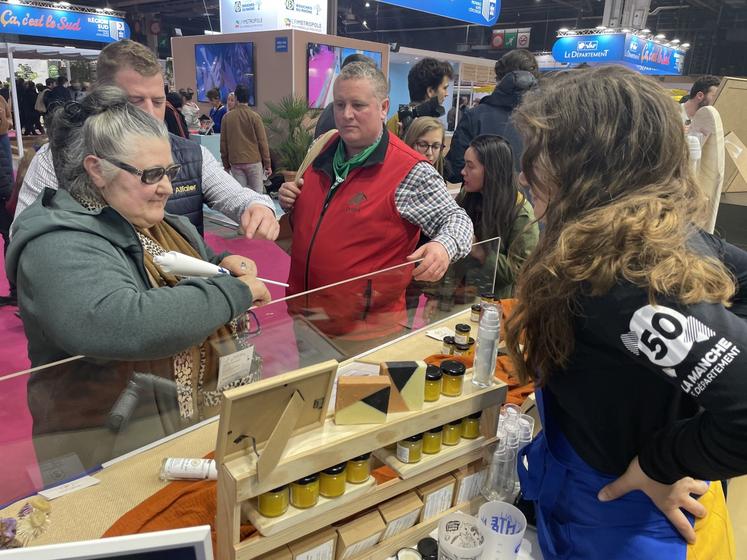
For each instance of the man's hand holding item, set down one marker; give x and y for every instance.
(434, 264)
(288, 193)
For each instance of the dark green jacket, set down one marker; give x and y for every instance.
(83, 288)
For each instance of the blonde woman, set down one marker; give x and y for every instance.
(426, 135)
(632, 322)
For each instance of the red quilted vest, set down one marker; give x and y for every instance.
(350, 232)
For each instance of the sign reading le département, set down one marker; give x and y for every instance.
(240, 16)
(479, 12)
(16, 19)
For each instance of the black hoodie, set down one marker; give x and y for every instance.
(491, 116)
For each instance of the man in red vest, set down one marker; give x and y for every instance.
(363, 204)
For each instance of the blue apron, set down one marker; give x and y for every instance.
(572, 522)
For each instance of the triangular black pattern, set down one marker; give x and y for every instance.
(401, 372)
(378, 400)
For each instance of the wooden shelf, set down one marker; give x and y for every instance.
(388, 456)
(331, 444)
(257, 545)
(269, 526)
(412, 535)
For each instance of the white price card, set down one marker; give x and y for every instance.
(234, 366)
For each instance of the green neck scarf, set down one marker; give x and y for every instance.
(342, 166)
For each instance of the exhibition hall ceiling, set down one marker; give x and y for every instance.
(717, 29)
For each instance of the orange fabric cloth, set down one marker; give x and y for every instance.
(188, 504)
(180, 504)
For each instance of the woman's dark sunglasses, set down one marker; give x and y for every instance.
(152, 175)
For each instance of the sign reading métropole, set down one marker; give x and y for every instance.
(61, 24)
(479, 12)
(239, 16)
(643, 55)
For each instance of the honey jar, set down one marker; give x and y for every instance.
(452, 433)
(471, 426)
(475, 312)
(461, 333)
(453, 378)
(273, 503)
(432, 441)
(304, 492)
(433, 377)
(359, 469)
(462, 350)
(448, 345)
(332, 481)
(410, 450)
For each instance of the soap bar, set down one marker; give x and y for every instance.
(362, 400)
(408, 385)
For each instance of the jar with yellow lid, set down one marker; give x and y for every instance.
(433, 377)
(432, 441)
(359, 469)
(274, 503)
(410, 450)
(452, 433)
(304, 492)
(471, 426)
(332, 481)
(453, 378)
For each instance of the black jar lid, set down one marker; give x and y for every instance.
(463, 328)
(433, 373)
(436, 429)
(449, 339)
(475, 415)
(363, 457)
(487, 295)
(452, 367)
(456, 422)
(471, 341)
(428, 548)
(308, 479)
(416, 437)
(477, 307)
(463, 348)
(278, 489)
(337, 469)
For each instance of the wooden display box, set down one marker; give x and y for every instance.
(249, 470)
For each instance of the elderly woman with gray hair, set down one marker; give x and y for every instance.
(88, 284)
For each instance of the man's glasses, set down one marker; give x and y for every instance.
(423, 147)
(152, 175)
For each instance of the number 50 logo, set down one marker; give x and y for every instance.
(663, 335)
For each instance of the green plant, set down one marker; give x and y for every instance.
(291, 130)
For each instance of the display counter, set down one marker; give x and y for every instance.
(114, 422)
(126, 482)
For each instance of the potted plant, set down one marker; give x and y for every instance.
(290, 126)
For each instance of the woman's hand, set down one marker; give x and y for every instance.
(288, 193)
(669, 498)
(260, 293)
(239, 266)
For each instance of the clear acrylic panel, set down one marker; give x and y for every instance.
(62, 420)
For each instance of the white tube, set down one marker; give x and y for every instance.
(184, 265)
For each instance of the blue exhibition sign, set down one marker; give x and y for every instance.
(653, 57)
(17, 19)
(478, 12)
(589, 48)
(643, 55)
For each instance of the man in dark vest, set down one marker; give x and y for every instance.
(134, 68)
(361, 208)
